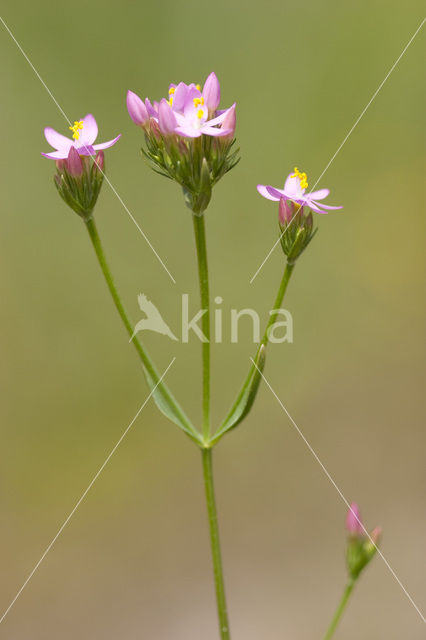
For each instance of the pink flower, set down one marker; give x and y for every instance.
(85, 132)
(354, 522)
(294, 189)
(194, 122)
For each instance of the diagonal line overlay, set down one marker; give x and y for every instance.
(114, 190)
(333, 157)
(84, 494)
(339, 491)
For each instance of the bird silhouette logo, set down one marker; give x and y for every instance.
(153, 320)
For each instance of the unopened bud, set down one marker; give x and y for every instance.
(354, 522)
(137, 109)
(74, 163)
(99, 161)
(361, 546)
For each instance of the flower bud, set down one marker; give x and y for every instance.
(137, 109)
(286, 210)
(99, 161)
(361, 546)
(61, 164)
(211, 93)
(354, 521)
(74, 164)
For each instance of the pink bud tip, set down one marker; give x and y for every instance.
(137, 109)
(285, 211)
(376, 535)
(74, 164)
(100, 160)
(354, 521)
(61, 165)
(211, 92)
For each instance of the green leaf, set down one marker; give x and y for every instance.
(171, 409)
(246, 397)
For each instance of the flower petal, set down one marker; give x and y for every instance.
(320, 194)
(104, 145)
(263, 190)
(56, 155)
(179, 97)
(221, 118)
(166, 118)
(276, 194)
(57, 140)
(187, 131)
(213, 131)
(85, 150)
(89, 131)
(292, 185)
(310, 200)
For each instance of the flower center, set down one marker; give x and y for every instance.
(302, 177)
(76, 128)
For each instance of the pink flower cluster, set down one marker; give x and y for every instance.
(189, 111)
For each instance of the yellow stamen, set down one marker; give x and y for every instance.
(200, 114)
(302, 177)
(198, 101)
(78, 124)
(197, 86)
(171, 100)
(172, 90)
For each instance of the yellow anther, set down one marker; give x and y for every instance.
(197, 86)
(302, 177)
(172, 90)
(171, 100)
(78, 124)
(200, 114)
(198, 101)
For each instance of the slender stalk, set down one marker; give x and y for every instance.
(340, 609)
(215, 545)
(146, 360)
(200, 241)
(277, 305)
(278, 300)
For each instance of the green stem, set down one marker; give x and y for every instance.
(215, 545)
(146, 360)
(277, 305)
(200, 241)
(340, 609)
(278, 300)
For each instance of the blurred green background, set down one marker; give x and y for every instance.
(134, 560)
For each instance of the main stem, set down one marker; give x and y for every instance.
(200, 241)
(340, 609)
(215, 545)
